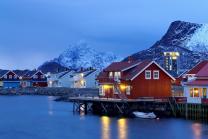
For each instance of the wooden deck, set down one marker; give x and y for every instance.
(176, 107)
(98, 99)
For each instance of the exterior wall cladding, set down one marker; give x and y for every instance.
(141, 87)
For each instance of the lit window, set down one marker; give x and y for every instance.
(156, 74)
(204, 92)
(117, 74)
(194, 92)
(110, 74)
(147, 74)
(128, 90)
(101, 90)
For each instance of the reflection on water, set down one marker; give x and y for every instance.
(105, 123)
(122, 128)
(63, 124)
(50, 105)
(197, 130)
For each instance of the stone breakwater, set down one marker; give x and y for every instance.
(54, 91)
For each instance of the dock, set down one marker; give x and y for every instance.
(163, 107)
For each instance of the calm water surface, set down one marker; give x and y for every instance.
(34, 117)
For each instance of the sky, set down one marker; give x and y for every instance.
(35, 31)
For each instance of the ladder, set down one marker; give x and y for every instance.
(172, 102)
(120, 95)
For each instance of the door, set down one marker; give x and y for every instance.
(204, 92)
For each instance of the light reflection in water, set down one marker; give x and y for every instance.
(122, 128)
(105, 127)
(197, 130)
(50, 105)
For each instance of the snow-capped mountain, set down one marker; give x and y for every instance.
(81, 55)
(189, 39)
(199, 40)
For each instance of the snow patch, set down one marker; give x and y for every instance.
(199, 40)
(82, 55)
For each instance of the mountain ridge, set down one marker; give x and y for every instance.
(178, 35)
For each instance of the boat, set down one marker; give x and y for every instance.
(145, 115)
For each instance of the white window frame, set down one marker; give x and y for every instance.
(154, 73)
(101, 90)
(10, 76)
(111, 74)
(35, 76)
(128, 90)
(117, 75)
(148, 71)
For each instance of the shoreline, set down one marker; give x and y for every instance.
(51, 91)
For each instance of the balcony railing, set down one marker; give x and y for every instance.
(204, 100)
(109, 79)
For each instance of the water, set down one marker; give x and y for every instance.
(38, 117)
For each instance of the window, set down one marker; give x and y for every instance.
(128, 90)
(156, 74)
(147, 74)
(15, 76)
(204, 92)
(42, 76)
(111, 74)
(5, 76)
(10, 76)
(101, 90)
(36, 76)
(116, 90)
(117, 74)
(194, 92)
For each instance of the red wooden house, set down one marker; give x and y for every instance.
(135, 80)
(34, 79)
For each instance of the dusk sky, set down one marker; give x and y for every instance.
(34, 31)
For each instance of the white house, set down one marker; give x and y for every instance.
(72, 79)
(61, 79)
(85, 79)
(196, 86)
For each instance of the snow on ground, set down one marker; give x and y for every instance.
(199, 40)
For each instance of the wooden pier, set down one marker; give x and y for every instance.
(119, 107)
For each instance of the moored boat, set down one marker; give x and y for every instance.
(145, 115)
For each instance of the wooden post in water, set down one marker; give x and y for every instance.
(186, 110)
(85, 107)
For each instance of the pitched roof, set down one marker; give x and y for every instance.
(88, 73)
(131, 72)
(30, 73)
(142, 66)
(198, 83)
(120, 66)
(21, 72)
(203, 72)
(64, 73)
(3, 72)
(198, 67)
